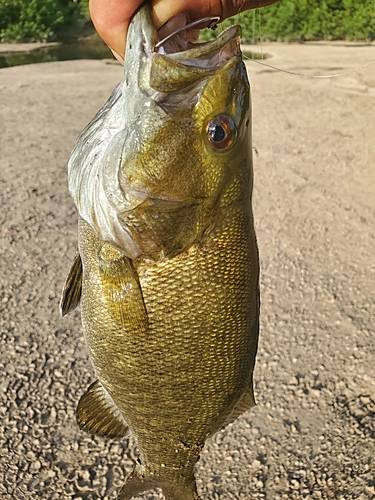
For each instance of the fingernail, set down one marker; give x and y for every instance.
(118, 57)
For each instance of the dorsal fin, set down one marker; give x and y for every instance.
(72, 289)
(97, 413)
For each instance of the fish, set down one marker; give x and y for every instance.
(167, 268)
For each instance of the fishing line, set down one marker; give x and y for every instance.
(335, 75)
(264, 95)
(254, 26)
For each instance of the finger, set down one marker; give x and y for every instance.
(111, 19)
(231, 8)
(118, 57)
(163, 10)
(172, 25)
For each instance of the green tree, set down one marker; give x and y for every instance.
(287, 20)
(300, 20)
(37, 20)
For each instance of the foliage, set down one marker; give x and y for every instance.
(37, 20)
(301, 20)
(287, 20)
(83, 8)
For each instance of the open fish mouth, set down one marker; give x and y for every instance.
(207, 54)
(183, 27)
(175, 63)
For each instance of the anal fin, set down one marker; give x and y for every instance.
(72, 289)
(97, 413)
(245, 403)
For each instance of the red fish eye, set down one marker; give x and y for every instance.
(221, 132)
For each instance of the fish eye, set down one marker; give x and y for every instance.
(221, 132)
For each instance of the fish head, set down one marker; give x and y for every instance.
(182, 133)
(189, 108)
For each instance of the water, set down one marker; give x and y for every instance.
(92, 48)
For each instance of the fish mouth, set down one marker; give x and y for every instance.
(175, 63)
(207, 55)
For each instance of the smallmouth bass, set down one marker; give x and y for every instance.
(167, 270)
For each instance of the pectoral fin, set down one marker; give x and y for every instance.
(71, 292)
(122, 290)
(97, 413)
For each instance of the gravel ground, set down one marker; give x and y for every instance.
(312, 434)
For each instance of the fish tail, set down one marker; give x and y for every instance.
(136, 484)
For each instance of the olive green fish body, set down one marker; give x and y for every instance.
(179, 361)
(169, 271)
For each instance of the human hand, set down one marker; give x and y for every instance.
(111, 18)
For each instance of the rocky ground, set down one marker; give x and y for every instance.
(312, 435)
